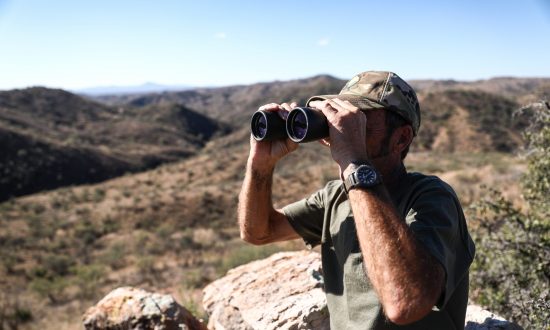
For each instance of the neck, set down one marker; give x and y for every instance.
(392, 175)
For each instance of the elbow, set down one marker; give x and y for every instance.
(404, 316)
(404, 313)
(252, 240)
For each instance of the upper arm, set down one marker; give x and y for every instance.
(280, 228)
(306, 217)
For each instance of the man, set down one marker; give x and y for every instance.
(395, 247)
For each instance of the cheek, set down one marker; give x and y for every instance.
(376, 135)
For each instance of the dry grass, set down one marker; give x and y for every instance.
(172, 229)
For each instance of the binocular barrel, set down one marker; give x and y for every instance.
(267, 126)
(302, 125)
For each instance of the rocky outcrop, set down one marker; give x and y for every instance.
(283, 291)
(132, 308)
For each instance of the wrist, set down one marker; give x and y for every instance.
(351, 166)
(260, 166)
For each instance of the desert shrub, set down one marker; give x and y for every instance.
(245, 254)
(57, 265)
(204, 237)
(99, 195)
(88, 279)
(115, 256)
(110, 225)
(87, 232)
(51, 288)
(511, 272)
(195, 278)
(146, 265)
(12, 312)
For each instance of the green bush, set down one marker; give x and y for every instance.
(244, 254)
(511, 272)
(88, 279)
(115, 256)
(53, 289)
(12, 312)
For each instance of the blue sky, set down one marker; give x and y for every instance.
(74, 44)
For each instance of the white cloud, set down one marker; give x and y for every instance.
(323, 42)
(220, 35)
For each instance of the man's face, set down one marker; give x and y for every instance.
(377, 139)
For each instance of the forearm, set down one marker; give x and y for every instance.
(255, 204)
(407, 280)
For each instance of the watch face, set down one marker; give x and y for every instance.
(366, 175)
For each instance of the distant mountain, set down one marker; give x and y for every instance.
(148, 87)
(52, 138)
(234, 103)
(44, 130)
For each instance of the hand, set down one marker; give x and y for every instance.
(265, 154)
(347, 129)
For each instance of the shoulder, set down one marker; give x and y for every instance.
(420, 184)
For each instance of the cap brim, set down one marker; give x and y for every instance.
(361, 102)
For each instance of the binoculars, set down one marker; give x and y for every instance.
(302, 125)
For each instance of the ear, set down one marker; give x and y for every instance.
(402, 138)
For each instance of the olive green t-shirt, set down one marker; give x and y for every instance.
(433, 213)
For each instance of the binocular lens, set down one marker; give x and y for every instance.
(267, 126)
(261, 126)
(299, 126)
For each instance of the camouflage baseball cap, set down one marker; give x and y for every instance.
(377, 90)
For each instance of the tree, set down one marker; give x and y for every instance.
(511, 272)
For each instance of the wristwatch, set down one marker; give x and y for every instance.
(364, 176)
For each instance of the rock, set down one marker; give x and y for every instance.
(478, 318)
(283, 291)
(132, 308)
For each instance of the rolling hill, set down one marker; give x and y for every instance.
(53, 138)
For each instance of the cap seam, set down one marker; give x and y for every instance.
(384, 89)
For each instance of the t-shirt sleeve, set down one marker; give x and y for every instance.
(437, 220)
(306, 217)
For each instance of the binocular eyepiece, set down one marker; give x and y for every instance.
(302, 125)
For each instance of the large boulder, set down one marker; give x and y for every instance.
(132, 308)
(284, 291)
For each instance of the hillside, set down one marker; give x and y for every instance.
(171, 229)
(52, 138)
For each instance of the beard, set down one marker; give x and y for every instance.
(384, 148)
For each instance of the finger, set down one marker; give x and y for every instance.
(293, 105)
(286, 106)
(325, 142)
(346, 105)
(328, 110)
(285, 109)
(270, 107)
(291, 145)
(318, 104)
